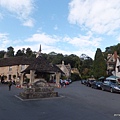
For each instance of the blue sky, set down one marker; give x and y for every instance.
(62, 26)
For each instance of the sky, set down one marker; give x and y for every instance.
(60, 26)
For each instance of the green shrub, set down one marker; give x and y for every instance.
(75, 77)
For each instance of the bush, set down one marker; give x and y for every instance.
(75, 77)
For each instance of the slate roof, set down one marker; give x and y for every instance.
(67, 66)
(11, 61)
(40, 64)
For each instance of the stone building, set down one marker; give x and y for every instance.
(19, 67)
(65, 68)
(111, 62)
(40, 68)
(13, 66)
(113, 65)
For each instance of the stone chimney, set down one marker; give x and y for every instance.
(115, 55)
(5, 55)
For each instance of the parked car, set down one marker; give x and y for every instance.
(69, 80)
(66, 82)
(89, 82)
(97, 84)
(83, 81)
(111, 85)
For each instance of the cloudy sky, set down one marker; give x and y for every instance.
(62, 26)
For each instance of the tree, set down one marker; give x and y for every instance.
(58, 58)
(2, 53)
(19, 53)
(29, 52)
(99, 68)
(10, 51)
(73, 60)
(86, 66)
(52, 53)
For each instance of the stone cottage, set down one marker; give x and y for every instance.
(65, 68)
(19, 67)
(13, 66)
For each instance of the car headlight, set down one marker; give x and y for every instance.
(117, 88)
(98, 85)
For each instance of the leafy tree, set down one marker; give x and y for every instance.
(10, 51)
(75, 77)
(73, 60)
(86, 66)
(111, 49)
(58, 58)
(99, 67)
(2, 53)
(33, 54)
(29, 52)
(20, 53)
(23, 50)
(52, 53)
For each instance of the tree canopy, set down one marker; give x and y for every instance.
(83, 63)
(99, 67)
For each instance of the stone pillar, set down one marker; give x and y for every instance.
(32, 76)
(57, 78)
(21, 79)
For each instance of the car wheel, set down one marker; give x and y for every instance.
(111, 90)
(102, 89)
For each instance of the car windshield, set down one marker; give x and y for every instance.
(113, 81)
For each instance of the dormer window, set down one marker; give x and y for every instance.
(22, 67)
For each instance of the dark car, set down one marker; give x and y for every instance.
(83, 82)
(111, 85)
(97, 84)
(89, 82)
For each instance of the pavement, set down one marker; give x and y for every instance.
(78, 102)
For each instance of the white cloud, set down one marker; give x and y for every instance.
(101, 16)
(20, 8)
(4, 41)
(83, 44)
(118, 38)
(43, 38)
(84, 41)
(29, 23)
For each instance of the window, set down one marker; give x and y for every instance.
(118, 68)
(10, 68)
(9, 77)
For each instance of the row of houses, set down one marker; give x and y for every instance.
(19, 68)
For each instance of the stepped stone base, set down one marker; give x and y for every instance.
(40, 89)
(38, 95)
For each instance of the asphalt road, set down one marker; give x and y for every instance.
(78, 102)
